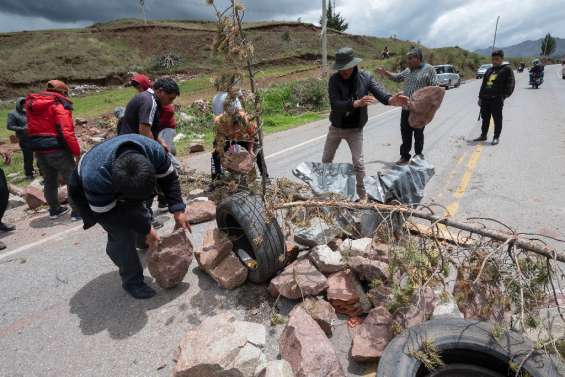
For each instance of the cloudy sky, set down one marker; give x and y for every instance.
(436, 23)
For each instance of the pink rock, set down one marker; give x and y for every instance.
(239, 162)
(372, 336)
(368, 269)
(169, 263)
(346, 294)
(215, 247)
(200, 211)
(322, 312)
(196, 147)
(307, 349)
(298, 279)
(423, 105)
(34, 197)
(230, 273)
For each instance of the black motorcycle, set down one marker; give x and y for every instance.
(536, 79)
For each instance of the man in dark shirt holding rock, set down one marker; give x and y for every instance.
(349, 90)
(110, 186)
(498, 84)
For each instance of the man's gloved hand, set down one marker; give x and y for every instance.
(181, 221)
(398, 100)
(152, 239)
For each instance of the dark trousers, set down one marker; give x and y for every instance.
(52, 166)
(121, 250)
(4, 194)
(28, 156)
(492, 107)
(217, 164)
(406, 131)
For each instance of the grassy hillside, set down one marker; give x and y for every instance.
(104, 53)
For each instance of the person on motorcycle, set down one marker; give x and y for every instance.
(537, 70)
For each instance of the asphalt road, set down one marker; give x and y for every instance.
(63, 312)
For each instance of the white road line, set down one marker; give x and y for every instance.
(70, 230)
(40, 242)
(318, 138)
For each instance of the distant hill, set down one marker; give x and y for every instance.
(527, 48)
(105, 53)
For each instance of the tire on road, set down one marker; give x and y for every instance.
(462, 343)
(244, 218)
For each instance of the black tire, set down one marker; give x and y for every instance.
(243, 217)
(460, 342)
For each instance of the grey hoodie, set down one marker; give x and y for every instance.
(17, 120)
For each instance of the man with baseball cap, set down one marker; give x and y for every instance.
(349, 90)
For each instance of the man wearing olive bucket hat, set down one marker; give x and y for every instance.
(349, 90)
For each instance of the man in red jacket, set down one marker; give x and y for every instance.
(52, 138)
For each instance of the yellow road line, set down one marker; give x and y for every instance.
(451, 174)
(465, 180)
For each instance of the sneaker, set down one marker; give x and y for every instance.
(156, 224)
(2, 245)
(7, 227)
(495, 141)
(480, 138)
(75, 216)
(140, 291)
(403, 161)
(58, 212)
(420, 156)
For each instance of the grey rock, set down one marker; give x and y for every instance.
(326, 260)
(275, 368)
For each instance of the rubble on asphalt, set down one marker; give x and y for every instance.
(222, 346)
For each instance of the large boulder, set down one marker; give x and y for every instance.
(169, 263)
(275, 368)
(230, 273)
(299, 279)
(372, 336)
(368, 269)
(221, 346)
(201, 210)
(346, 294)
(215, 247)
(322, 312)
(326, 260)
(305, 346)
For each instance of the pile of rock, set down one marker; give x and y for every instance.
(353, 276)
(217, 259)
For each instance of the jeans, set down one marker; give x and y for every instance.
(406, 132)
(492, 107)
(121, 250)
(354, 138)
(52, 166)
(28, 156)
(4, 194)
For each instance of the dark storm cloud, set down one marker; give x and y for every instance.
(102, 10)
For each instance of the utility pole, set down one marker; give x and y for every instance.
(324, 37)
(142, 5)
(495, 31)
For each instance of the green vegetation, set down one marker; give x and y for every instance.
(548, 45)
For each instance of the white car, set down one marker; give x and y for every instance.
(482, 70)
(447, 76)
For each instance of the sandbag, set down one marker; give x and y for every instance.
(423, 105)
(169, 262)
